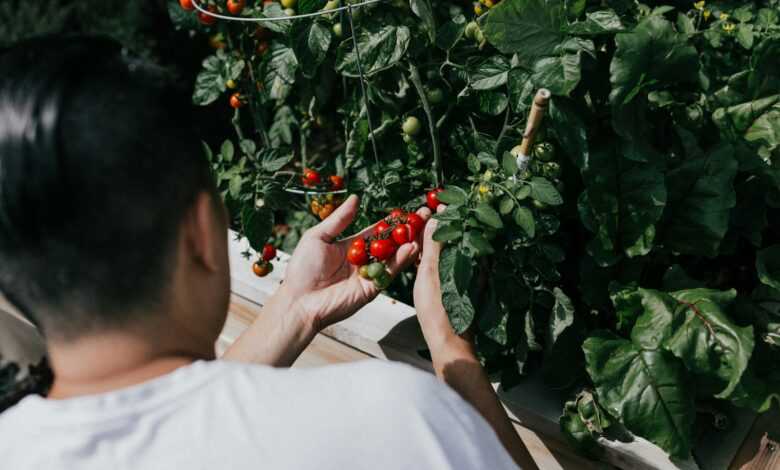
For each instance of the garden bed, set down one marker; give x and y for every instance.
(388, 329)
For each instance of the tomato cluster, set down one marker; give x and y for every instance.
(388, 235)
(324, 205)
(263, 266)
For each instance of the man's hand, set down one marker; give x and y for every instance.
(320, 280)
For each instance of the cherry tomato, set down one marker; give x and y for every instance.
(403, 233)
(375, 269)
(231, 84)
(337, 30)
(357, 255)
(359, 243)
(381, 227)
(416, 222)
(187, 5)
(269, 252)
(207, 19)
(411, 126)
(396, 213)
(336, 182)
(383, 280)
(326, 210)
(363, 272)
(235, 7)
(288, 3)
(262, 268)
(435, 96)
(235, 101)
(382, 249)
(315, 207)
(311, 177)
(289, 11)
(262, 47)
(432, 199)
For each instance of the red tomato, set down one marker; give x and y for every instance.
(396, 213)
(356, 255)
(336, 182)
(187, 5)
(432, 198)
(416, 222)
(235, 101)
(382, 249)
(381, 227)
(269, 252)
(262, 33)
(235, 7)
(207, 19)
(403, 233)
(359, 243)
(262, 268)
(311, 177)
(262, 47)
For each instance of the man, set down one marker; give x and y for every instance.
(113, 242)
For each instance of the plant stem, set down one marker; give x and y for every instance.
(236, 121)
(438, 176)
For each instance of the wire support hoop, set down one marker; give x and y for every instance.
(250, 19)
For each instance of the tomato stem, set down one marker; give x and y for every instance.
(438, 176)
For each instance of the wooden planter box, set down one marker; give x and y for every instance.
(388, 329)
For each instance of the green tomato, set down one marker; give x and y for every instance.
(383, 281)
(337, 30)
(408, 139)
(331, 5)
(551, 170)
(435, 96)
(363, 272)
(544, 151)
(375, 269)
(471, 30)
(479, 36)
(411, 126)
(289, 12)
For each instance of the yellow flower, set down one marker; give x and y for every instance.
(724, 16)
(706, 14)
(728, 27)
(699, 5)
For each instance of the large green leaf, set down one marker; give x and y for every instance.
(455, 272)
(768, 266)
(257, 224)
(279, 71)
(312, 41)
(380, 47)
(489, 73)
(528, 28)
(217, 70)
(701, 196)
(423, 9)
(648, 390)
(559, 74)
(693, 325)
(570, 127)
(597, 23)
(625, 199)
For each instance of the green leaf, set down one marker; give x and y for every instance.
(274, 159)
(311, 44)
(275, 10)
(544, 191)
(210, 82)
(768, 266)
(529, 28)
(693, 325)
(449, 34)
(628, 304)
(447, 232)
(455, 271)
(381, 47)
(648, 391)
(524, 219)
(581, 430)
(477, 243)
(309, 6)
(509, 163)
(492, 102)
(227, 151)
(597, 23)
(561, 317)
(453, 195)
(701, 196)
(571, 130)
(257, 225)
(559, 74)
(488, 216)
(489, 73)
(423, 9)
(279, 71)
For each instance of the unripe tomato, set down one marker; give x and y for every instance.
(403, 234)
(471, 29)
(411, 126)
(432, 199)
(396, 213)
(375, 269)
(416, 222)
(489, 3)
(435, 96)
(207, 19)
(381, 227)
(479, 37)
(363, 272)
(262, 268)
(269, 252)
(289, 11)
(336, 182)
(311, 177)
(235, 7)
(326, 210)
(262, 47)
(544, 151)
(382, 249)
(288, 3)
(187, 5)
(337, 30)
(516, 151)
(383, 280)
(235, 101)
(478, 10)
(551, 170)
(331, 5)
(231, 84)
(357, 256)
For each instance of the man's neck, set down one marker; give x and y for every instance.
(111, 361)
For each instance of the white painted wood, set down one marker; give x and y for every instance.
(388, 329)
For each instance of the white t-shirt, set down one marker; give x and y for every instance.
(223, 415)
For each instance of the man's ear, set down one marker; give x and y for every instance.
(205, 220)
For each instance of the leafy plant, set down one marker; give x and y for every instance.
(634, 263)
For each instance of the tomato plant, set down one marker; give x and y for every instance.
(635, 263)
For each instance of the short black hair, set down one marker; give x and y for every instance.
(99, 163)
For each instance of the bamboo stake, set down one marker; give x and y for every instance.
(539, 106)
